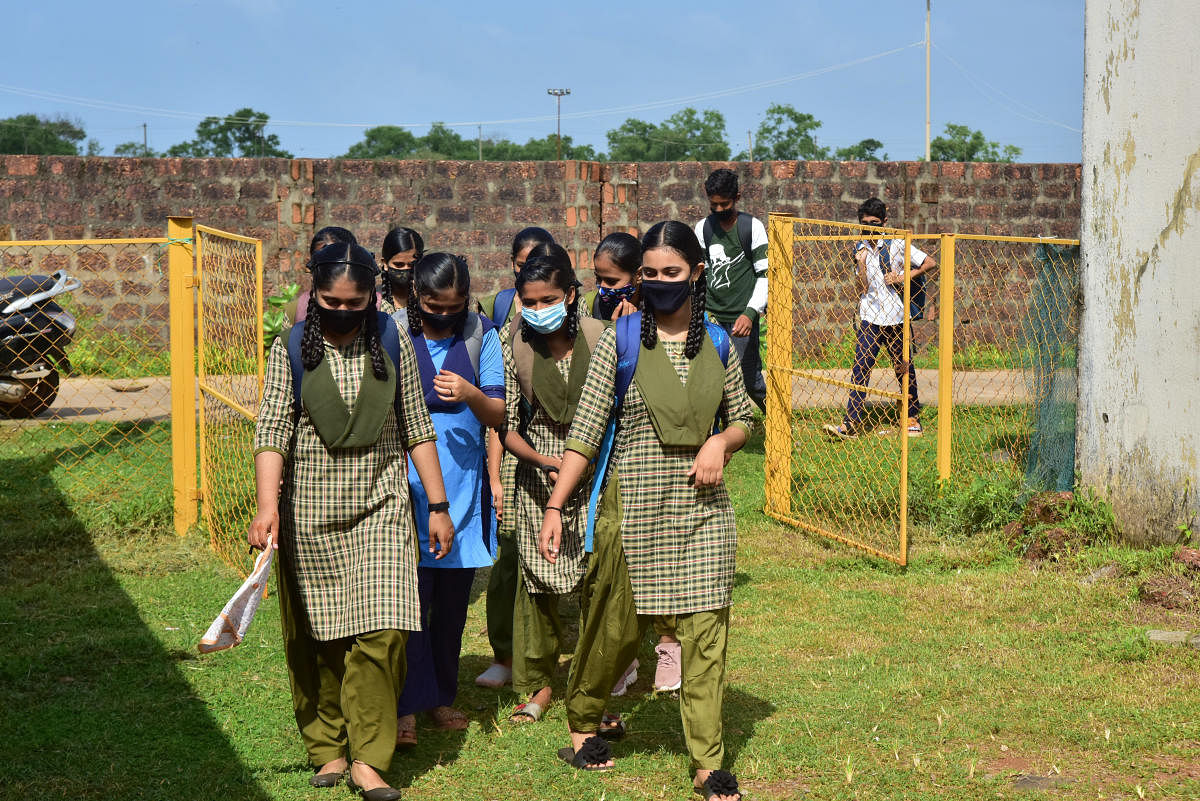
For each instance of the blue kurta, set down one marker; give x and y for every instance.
(462, 447)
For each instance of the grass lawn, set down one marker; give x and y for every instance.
(848, 678)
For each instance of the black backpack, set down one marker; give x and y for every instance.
(744, 221)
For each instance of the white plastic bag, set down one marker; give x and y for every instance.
(230, 626)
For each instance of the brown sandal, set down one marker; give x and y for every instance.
(447, 718)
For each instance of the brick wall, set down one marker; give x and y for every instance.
(474, 208)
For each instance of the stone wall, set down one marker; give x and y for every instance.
(474, 208)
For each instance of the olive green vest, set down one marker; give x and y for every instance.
(682, 414)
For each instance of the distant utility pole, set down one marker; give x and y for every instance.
(480, 139)
(928, 45)
(145, 140)
(558, 96)
(750, 142)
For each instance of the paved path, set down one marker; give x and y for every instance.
(971, 388)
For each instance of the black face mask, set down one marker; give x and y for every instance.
(341, 321)
(400, 279)
(445, 322)
(665, 296)
(608, 300)
(725, 216)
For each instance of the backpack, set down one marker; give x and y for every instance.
(474, 328)
(629, 344)
(744, 222)
(502, 304)
(389, 339)
(589, 327)
(916, 288)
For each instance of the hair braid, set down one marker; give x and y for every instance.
(312, 342)
(649, 327)
(414, 311)
(696, 327)
(386, 289)
(573, 316)
(371, 331)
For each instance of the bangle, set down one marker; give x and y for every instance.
(557, 509)
(440, 506)
(548, 468)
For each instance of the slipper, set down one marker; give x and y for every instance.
(447, 718)
(496, 676)
(406, 737)
(591, 756)
(529, 709)
(612, 727)
(330, 779)
(719, 782)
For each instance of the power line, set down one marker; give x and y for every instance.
(109, 105)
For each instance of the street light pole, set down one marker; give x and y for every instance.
(928, 44)
(558, 96)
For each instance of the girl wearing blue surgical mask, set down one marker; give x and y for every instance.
(546, 348)
(616, 261)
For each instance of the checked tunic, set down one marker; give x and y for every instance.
(679, 540)
(531, 488)
(346, 529)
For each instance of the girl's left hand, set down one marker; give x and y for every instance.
(624, 308)
(452, 387)
(441, 534)
(709, 463)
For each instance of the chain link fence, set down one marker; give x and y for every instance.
(990, 334)
(84, 369)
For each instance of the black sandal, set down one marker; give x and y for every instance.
(591, 756)
(326, 780)
(719, 782)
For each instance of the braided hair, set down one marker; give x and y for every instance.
(329, 264)
(680, 238)
(398, 240)
(436, 272)
(551, 263)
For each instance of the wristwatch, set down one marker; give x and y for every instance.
(442, 506)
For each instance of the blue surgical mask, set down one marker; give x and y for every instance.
(547, 320)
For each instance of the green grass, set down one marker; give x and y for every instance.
(848, 678)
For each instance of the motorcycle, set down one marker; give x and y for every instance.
(34, 334)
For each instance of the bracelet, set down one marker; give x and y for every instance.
(440, 506)
(557, 509)
(548, 468)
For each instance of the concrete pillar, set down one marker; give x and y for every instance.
(1139, 352)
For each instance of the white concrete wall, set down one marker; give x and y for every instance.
(1139, 361)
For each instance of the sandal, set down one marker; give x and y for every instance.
(325, 780)
(612, 727)
(590, 757)
(447, 718)
(384, 793)
(719, 782)
(530, 709)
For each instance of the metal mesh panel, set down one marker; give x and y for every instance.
(86, 371)
(230, 369)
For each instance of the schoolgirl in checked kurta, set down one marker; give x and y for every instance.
(546, 353)
(674, 556)
(341, 517)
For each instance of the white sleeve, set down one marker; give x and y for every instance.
(758, 298)
(700, 239)
(758, 239)
(915, 254)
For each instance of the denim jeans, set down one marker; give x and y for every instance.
(866, 349)
(748, 354)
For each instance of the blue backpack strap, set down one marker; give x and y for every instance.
(297, 364)
(503, 305)
(720, 340)
(629, 344)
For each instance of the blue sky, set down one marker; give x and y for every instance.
(325, 70)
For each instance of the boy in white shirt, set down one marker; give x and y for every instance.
(880, 266)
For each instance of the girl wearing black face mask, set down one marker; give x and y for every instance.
(341, 406)
(402, 248)
(666, 549)
(462, 377)
(616, 262)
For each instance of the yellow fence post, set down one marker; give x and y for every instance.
(778, 437)
(180, 265)
(945, 431)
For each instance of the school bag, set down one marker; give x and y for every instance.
(589, 327)
(474, 328)
(629, 344)
(389, 339)
(501, 305)
(744, 222)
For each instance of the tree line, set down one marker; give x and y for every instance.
(785, 134)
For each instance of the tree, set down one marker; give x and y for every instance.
(544, 149)
(30, 133)
(135, 150)
(786, 134)
(241, 134)
(687, 135)
(962, 144)
(384, 142)
(863, 151)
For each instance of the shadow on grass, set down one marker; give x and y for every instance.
(95, 706)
